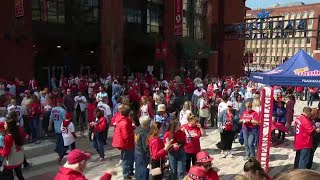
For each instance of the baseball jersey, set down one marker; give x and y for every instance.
(304, 129)
(67, 134)
(57, 116)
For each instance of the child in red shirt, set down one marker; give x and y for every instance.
(193, 131)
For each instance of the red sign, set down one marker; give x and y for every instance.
(178, 17)
(19, 9)
(263, 154)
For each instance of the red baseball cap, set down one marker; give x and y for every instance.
(106, 176)
(68, 115)
(203, 157)
(197, 173)
(77, 156)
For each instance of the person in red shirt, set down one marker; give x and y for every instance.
(204, 160)
(13, 142)
(193, 131)
(75, 166)
(250, 120)
(177, 155)
(303, 138)
(123, 139)
(299, 92)
(99, 127)
(92, 105)
(311, 95)
(158, 150)
(35, 112)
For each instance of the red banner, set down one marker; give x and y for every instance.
(263, 154)
(178, 17)
(19, 9)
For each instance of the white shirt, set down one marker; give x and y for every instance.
(144, 110)
(19, 112)
(184, 116)
(199, 93)
(100, 95)
(67, 134)
(222, 106)
(105, 108)
(82, 104)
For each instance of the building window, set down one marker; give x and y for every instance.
(309, 51)
(90, 10)
(156, 1)
(36, 15)
(284, 51)
(298, 41)
(134, 16)
(296, 50)
(154, 19)
(186, 19)
(52, 12)
(308, 40)
(290, 52)
(198, 31)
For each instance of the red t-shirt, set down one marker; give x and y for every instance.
(247, 116)
(91, 109)
(193, 135)
(179, 137)
(304, 129)
(229, 123)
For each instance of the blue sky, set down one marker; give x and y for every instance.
(267, 3)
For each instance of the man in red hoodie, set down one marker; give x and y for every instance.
(123, 139)
(75, 166)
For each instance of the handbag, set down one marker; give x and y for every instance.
(156, 171)
(16, 156)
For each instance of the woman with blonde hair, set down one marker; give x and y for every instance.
(256, 103)
(186, 110)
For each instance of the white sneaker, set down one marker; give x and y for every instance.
(223, 155)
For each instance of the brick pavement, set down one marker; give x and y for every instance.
(281, 159)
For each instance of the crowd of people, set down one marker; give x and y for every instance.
(157, 124)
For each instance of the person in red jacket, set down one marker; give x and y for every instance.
(158, 150)
(303, 138)
(75, 166)
(123, 139)
(35, 112)
(177, 155)
(204, 160)
(99, 127)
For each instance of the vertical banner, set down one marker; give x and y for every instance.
(19, 9)
(265, 127)
(178, 17)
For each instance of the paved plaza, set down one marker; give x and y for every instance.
(281, 159)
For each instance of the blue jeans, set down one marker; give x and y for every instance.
(98, 143)
(302, 158)
(142, 161)
(249, 142)
(177, 160)
(310, 99)
(35, 128)
(59, 145)
(127, 157)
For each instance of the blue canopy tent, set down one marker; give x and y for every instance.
(299, 70)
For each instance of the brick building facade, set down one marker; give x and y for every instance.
(268, 53)
(119, 37)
